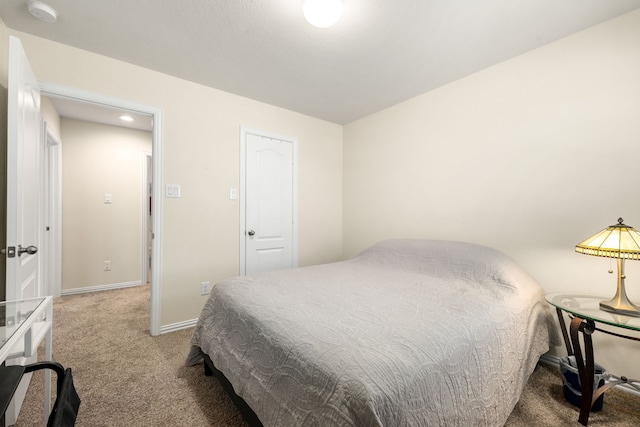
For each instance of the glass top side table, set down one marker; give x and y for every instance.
(14, 315)
(588, 307)
(24, 324)
(584, 311)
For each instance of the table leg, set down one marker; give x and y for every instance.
(565, 335)
(47, 372)
(586, 365)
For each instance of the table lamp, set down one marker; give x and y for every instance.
(621, 242)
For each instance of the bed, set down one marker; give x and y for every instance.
(406, 333)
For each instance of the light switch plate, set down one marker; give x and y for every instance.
(172, 190)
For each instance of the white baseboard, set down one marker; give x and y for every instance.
(99, 288)
(178, 326)
(163, 329)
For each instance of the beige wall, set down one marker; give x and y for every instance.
(201, 128)
(4, 49)
(97, 160)
(50, 115)
(530, 156)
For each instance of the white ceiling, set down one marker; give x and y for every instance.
(381, 52)
(90, 112)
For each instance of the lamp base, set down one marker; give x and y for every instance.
(620, 303)
(614, 306)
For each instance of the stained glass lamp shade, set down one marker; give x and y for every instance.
(621, 242)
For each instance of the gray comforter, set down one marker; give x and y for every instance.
(406, 333)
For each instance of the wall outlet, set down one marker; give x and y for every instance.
(205, 288)
(107, 266)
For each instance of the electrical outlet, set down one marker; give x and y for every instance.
(205, 288)
(107, 266)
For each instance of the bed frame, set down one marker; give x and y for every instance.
(247, 413)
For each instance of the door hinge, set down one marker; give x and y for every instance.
(10, 251)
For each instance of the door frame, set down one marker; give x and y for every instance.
(52, 213)
(244, 131)
(54, 90)
(147, 159)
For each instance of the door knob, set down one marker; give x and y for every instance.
(28, 250)
(251, 233)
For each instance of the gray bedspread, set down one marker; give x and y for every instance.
(407, 333)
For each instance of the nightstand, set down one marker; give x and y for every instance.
(584, 312)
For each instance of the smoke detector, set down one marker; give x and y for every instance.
(42, 11)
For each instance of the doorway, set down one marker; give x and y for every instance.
(92, 100)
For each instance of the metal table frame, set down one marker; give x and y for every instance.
(584, 312)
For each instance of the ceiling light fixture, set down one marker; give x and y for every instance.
(42, 11)
(126, 118)
(322, 13)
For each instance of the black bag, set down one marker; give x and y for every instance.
(65, 409)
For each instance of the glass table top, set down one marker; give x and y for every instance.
(588, 307)
(13, 314)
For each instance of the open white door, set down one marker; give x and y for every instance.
(24, 177)
(25, 143)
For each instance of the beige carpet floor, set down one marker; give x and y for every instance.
(125, 377)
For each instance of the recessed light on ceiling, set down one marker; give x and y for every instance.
(322, 13)
(126, 118)
(42, 11)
